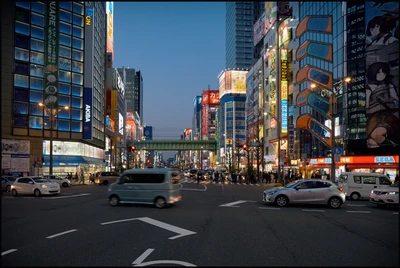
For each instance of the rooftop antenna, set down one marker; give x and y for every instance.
(208, 87)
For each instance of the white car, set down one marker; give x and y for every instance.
(63, 182)
(384, 196)
(35, 185)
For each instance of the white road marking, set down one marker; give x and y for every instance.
(358, 211)
(395, 213)
(9, 197)
(182, 232)
(143, 256)
(251, 184)
(355, 205)
(30, 197)
(177, 263)
(63, 233)
(314, 210)
(269, 208)
(69, 196)
(257, 184)
(8, 251)
(188, 189)
(231, 206)
(233, 203)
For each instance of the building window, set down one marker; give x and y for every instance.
(36, 96)
(37, 58)
(35, 122)
(77, 43)
(77, 55)
(76, 103)
(65, 16)
(77, 79)
(63, 100)
(21, 81)
(36, 70)
(63, 125)
(66, 5)
(76, 126)
(64, 88)
(65, 40)
(78, 20)
(21, 95)
(65, 28)
(21, 68)
(38, 7)
(76, 114)
(77, 91)
(65, 52)
(37, 45)
(20, 107)
(77, 31)
(36, 109)
(78, 8)
(20, 121)
(64, 76)
(37, 19)
(22, 28)
(37, 32)
(36, 83)
(64, 64)
(21, 41)
(64, 114)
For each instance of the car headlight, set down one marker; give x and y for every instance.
(271, 192)
(392, 193)
(44, 186)
(372, 191)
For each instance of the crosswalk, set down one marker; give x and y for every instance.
(220, 183)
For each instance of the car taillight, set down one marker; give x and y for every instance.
(179, 196)
(340, 188)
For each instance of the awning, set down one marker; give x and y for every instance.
(72, 160)
(356, 166)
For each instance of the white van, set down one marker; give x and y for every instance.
(358, 185)
(158, 186)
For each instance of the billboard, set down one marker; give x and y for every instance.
(259, 29)
(232, 82)
(285, 34)
(210, 97)
(88, 112)
(315, 49)
(270, 15)
(120, 124)
(284, 90)
(382, 74)
(318, 24)
(272, 86)
(110, 124)
(110, 28)
(148, 132)
(316, 75)
(51, 55)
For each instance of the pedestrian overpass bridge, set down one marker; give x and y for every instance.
(174, 145)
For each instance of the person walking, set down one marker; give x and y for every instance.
(82, 178)
(76, 176)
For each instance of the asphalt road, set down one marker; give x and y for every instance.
(79, 227)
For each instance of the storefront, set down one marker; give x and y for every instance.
(380, 164)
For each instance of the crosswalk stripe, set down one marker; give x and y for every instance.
(257, 184)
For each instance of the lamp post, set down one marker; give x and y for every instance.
(332, 108)
(52, 112)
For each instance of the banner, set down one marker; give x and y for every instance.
(88, 114)
(15, 146)
(284, 90)
(51, 55)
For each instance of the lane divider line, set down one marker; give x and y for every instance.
(395, 213)
(145, 254)
(63, 233)
(358, 211)
(314, 210)
(68, 196)
(355, 205)
(233, 203)
(269, 208)
(8, 251)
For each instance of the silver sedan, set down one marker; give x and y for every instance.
(314, 191)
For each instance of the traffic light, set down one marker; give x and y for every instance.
(244, 147)
(133, 148)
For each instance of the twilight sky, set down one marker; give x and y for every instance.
(179, 48)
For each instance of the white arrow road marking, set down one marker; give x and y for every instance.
(233, 203)
(8, 251)
(69, 196)
(355, 205)
(269, 208)
(314, 210)
(63, 233)
(172, 228)
(359, 211)
(143, 256)
(182, 232)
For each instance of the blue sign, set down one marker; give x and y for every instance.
(338, 150)
(148, 132)
(384, 159)
(284, 120)
(107, 152)
(88, 113)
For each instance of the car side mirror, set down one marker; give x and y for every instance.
(31, 182)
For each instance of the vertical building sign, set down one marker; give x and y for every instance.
(272, 90)
(291, 139)
(88, 113)
(51, 56)
(110, 28)
(382, 74)
(284, 91)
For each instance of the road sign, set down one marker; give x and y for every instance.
(338, 151)
(107, 153)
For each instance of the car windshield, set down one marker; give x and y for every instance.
(290, 184)
(41, 180)
(11, 178)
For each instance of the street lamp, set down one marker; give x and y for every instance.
(332, 104)
(52, 112)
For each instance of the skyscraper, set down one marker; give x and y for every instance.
(239, 46)
(128, 76)
(138, 95)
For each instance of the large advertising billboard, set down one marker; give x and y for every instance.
(382, 74)
(232, 82)
(110, 28)
(210, 97)
(284, 90)
(272, 86)
(259, 29)
(51, 55)
(271, 10)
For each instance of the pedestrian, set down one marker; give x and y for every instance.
(397, 178)
(82, 178)
(76, 176)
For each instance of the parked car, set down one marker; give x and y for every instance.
(384, 196)
(358, 185)
(156, 186)
(35, 185)
(61, 181)
(106, 177)
(6, 182)
(314, 191)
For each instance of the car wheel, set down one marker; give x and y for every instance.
(65, 184)
(334, 202)
(114, 201)
(281, 201)
(8, 188)
(355, 196)
(160, 202)
(105, 183)
(14, 192)
(36, 192)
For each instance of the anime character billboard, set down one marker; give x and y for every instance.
(382, 74)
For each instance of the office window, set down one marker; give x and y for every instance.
(66, 5)
(64, 64)
(22, 15)
(37, 19)
(21, 81)
(77, 67)
(64, 76)
(76, 126)
(20, 121)
(21, 95)
(36, 70)
(37, 32)
(20, 107)
(77, 91)
(38, 7)
(64, 114)
(65, 52)
(35, 122)
(21, 41)
(77, 79)
(76, 102)
(77, 43)
(36, 83)
(63, 100)
(21, 68)
(64, 88)
(63, 125)
(25, 5)
(76, 114)
(78, 8)
(36, 96)
(65, 28)
(37, 57)
(65, 40)
(65, 16)
(22, 28)
(77, 55)
(77, 31)
(78, 20)
(36, 109)
(37, 45)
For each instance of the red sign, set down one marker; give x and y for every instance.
(210, 97)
